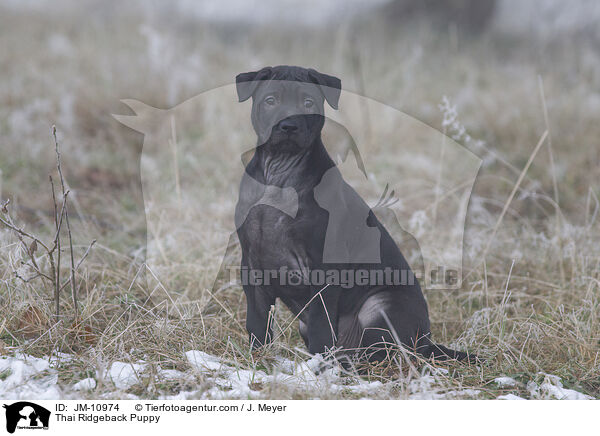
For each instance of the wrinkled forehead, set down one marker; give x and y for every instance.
(288, 88)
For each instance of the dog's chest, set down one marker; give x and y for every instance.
(272, 238)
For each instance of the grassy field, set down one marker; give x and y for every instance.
(530, 299)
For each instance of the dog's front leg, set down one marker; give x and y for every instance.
(323, 320)
(258, 324)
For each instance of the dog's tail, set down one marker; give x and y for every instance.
(443, 353)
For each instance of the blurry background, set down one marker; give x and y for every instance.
(492, 74)
(70, 63)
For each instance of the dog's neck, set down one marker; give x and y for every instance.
(303, 167)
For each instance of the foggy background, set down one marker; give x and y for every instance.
(491, 75)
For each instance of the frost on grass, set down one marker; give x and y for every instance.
(24, 377)
(209, 377)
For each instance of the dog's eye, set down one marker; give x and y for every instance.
(308, 103)
(270, 100)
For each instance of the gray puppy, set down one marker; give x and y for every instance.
(298, 222)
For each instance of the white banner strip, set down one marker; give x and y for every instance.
(300, 417)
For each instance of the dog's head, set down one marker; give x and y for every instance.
(288, 104)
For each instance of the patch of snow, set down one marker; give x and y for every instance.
(561, 393)
(87, 384)
(58, 358)
(171, 374)
(509, 397)
(364, 387)
(424, 388)
(118, 396)
(124, 375)
(203, 361)
(505, 381)
(285, 365)
(314, 374)
(183, 395)
(25, 377)
(230, 382)
(459, 394)
(552, 388)
(439, 371)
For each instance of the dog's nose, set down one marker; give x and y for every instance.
(288, 126)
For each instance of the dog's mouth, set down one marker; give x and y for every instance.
(286, 140)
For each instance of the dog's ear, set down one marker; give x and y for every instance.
(331, 86)
(247, 83)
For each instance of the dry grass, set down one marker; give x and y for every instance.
(529, 306)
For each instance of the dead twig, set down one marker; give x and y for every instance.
(52, 251)
(64, 192)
